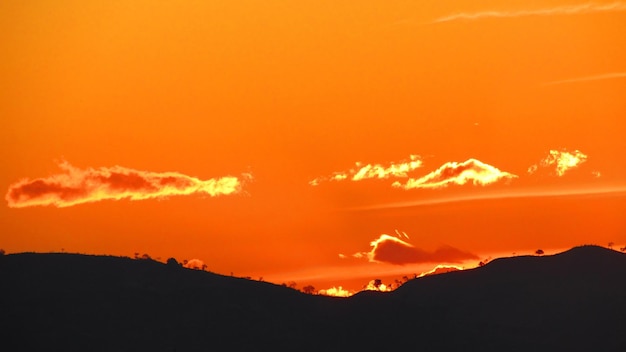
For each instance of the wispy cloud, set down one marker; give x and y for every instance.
(393, 250)
(577, 9)
(520, 193)
(373, 171)
(449, 173)
(604, 76)
(77, 186)
(560, 161)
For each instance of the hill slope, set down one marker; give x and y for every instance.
(572, 301)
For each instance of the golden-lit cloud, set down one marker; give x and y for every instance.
(441, 269)
(604, 76)
(393, 250)
(77, 186)
(578, 9)
(376, 286)
(194, 264)
(560, 162)
(336, 292)
(449, 173)
(374, 171)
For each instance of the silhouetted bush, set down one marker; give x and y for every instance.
(172, 262)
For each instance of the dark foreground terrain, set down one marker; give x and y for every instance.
(573, 301)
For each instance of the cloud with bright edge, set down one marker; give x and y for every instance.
(335, 292)
(578, 9)
(393, 250)
(375, 171)
(560, 161)
(371, 286)
(450, 173)
(77, 186)
(441, 269)
(194, 264)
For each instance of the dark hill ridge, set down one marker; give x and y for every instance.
(574, 301)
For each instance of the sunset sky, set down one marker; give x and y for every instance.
(322, 142)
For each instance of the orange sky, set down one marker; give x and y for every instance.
(237, 128)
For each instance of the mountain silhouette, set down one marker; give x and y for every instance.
(573, 301)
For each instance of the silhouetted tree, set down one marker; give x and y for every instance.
(481, 263)
(405, 278)
(136, 255)
(308, 289)
(204, 266)
(623, 249)
(292, 284)
(2, 252)
(377, 283)
(172, 262)
(611, 245)
(539, 252)
(145, 256)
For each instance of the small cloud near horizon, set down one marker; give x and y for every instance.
(194, 264)
(450, 173)
(335, 292)
(441, 269)
(393, 250)
(78, 186)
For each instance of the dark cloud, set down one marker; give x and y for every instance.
(389, 249)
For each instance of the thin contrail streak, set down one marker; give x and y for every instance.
(560, 10)
(589, 78)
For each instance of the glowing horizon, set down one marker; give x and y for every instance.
(329, 142)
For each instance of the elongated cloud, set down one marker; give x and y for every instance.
(611, 75)
(587, 8)
(389, 249)
(77, 186)
(336, 292)
(560, 161)
(441, 269)
(375, 171)
(449, 173)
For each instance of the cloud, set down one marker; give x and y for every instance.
(472, 170)
(587, 8)
(376, 285)
(194, 264)
(376, 171)
(336, 292)
(389, 249)
(604, 76)
(560, 161)
(441, 269)
(77, 186)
